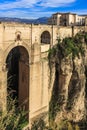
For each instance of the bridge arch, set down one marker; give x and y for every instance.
(45, 37)
(18, 73)
(13, 45)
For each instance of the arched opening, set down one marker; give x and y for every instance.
(18, 75)
(18, 37)
(45, 37)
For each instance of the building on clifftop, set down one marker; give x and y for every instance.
(67, 19)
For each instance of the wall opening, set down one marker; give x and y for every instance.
(45, 37)
(18, 37)
(18, 76)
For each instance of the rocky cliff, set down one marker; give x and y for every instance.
(68, 79)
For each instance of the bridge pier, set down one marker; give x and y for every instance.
(3, 87)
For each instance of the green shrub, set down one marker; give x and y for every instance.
(39, 124)
(70, 127)
(14, 118)
(67, 46)
(77, 127)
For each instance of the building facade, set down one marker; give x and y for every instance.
(67, 19)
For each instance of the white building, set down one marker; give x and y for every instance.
(67, 19)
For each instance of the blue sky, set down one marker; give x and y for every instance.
(40, 8)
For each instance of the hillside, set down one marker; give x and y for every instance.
(42, 20)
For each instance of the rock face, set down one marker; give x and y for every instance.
(69, 88)
(72, 86)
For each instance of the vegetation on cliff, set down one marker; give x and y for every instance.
(68, 59)
(14, 118)
(67, 46)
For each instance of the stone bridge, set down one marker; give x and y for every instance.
(24, 65)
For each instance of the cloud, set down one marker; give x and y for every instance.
(83, 11)
(17, 4)
(35, 8)
(31, 3)
(56, 3)
(34, 13)
(25, 14)
(29, 8)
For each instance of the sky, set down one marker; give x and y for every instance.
(32, 9)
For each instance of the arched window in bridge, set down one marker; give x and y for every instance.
(45, 37)
(18, 37)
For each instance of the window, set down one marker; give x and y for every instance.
(45, 37)
(18, 37)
